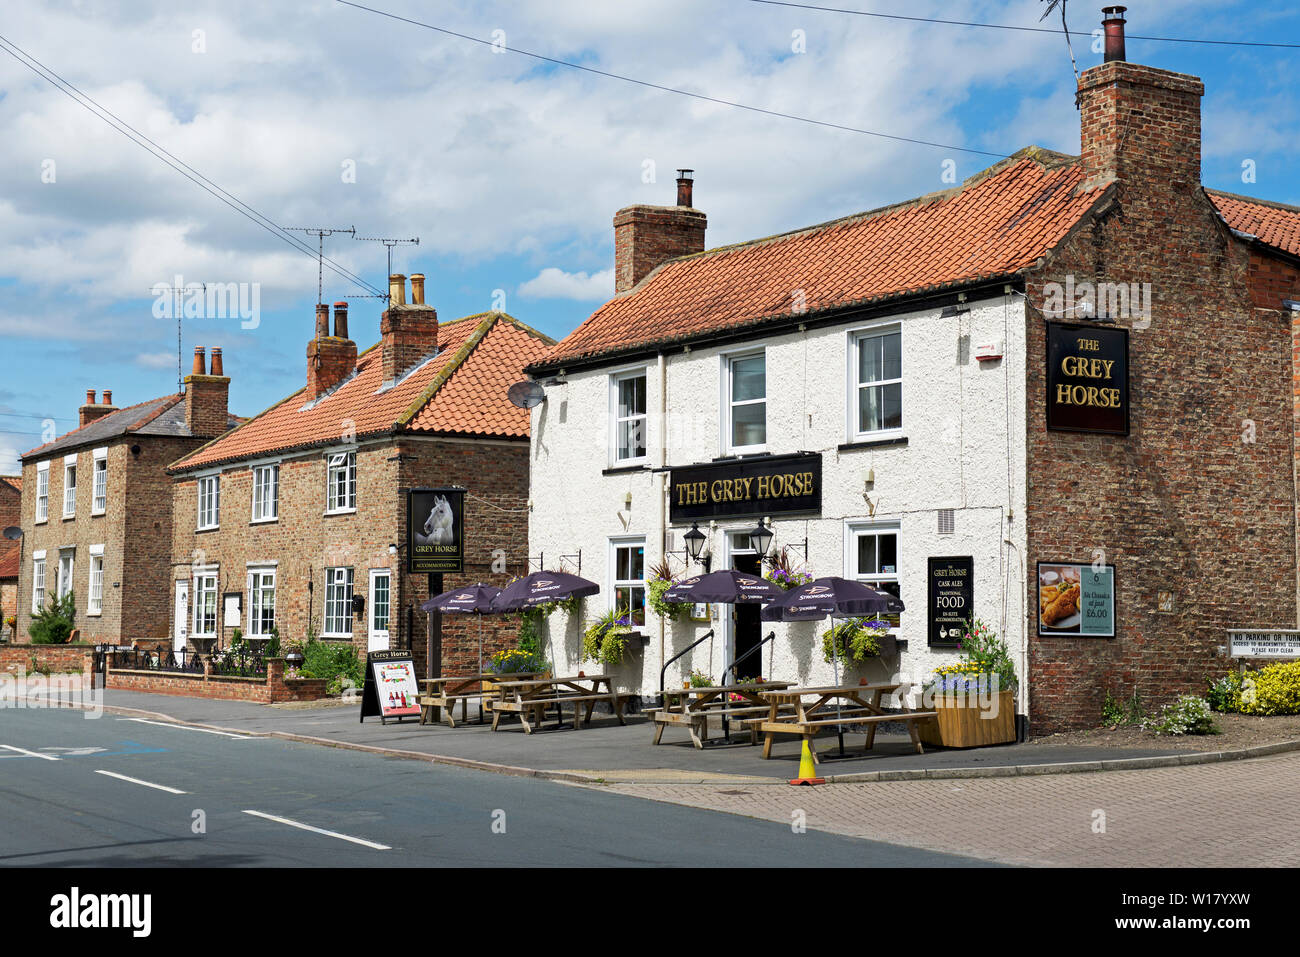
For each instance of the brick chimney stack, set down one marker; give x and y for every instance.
(93, 410)
(330, 359)
(646, 236)
(1140, 126)
(207, 397)
(410, 332)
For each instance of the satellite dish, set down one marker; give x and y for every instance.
(526, 394)
(13, 533)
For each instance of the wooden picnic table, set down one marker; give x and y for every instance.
(529, 698)
(817, 708)
(691, 708)
(441, 694)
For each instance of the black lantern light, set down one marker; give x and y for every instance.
(694, 541)
(761, 538)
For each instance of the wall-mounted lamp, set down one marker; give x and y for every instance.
(761, 537)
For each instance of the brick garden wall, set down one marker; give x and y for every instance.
(272, 689)
(52, 657)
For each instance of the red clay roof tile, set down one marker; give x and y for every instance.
(1274, 224)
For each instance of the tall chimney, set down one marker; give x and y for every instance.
(1139, 125)
(93, 410)
(199, 368)
(330, 359)
(207, 397)
(646, 236)
(1114, 27)
(410, 333)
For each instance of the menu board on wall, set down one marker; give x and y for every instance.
(1076, 600)
(951, 599)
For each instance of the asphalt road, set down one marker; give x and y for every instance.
(78, 792)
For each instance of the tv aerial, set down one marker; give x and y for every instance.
(389, 243)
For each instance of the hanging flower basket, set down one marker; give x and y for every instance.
(854, 639)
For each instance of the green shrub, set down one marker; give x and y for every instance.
(53, 625)
(1224, 694)
(530, 634)
(1274, 689)
(1188, 715)
(1115, 713)
(332, 662)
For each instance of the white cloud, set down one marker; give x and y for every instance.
(156, 360)
(553, 283)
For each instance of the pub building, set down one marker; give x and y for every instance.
(1057, 398)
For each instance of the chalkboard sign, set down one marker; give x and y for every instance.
(390, 690)
(951, 600)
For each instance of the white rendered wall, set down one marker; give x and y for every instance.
(964, 422)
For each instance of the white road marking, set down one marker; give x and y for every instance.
(123, 777)
(185, 727)
(319, 830)
(30, 754)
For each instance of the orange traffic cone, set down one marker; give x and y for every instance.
(807, 772)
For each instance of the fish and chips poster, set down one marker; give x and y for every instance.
(1076, 599)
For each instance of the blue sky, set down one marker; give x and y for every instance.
(508, 170)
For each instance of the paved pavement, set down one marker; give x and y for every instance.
(1236, 814)
(121, 792)
(603, 750)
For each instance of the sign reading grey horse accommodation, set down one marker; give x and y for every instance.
(435, 530)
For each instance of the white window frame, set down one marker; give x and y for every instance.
(42, 492)
(372, 624)
(205, 582)
(729, 360)
(345, 462)
(855, 385)
(616, 380)
(257, 579)
(63, 581)
(260, 488)
(339, 584)
(854, 530)
(208, 489)
(70, 465)
(38, 581)
(99, 482)
(95, 588)
(615, 582)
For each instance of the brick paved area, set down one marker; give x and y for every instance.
(1242, 813)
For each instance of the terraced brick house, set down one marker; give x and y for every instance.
(97, 507)
(1068, 377)
(11, 497)
(295, 520)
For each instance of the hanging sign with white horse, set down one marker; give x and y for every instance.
(435, 530)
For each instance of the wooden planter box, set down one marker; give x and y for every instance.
(964, 726)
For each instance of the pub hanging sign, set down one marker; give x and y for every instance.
(770, 485)
(435, 530)
(1087, 378)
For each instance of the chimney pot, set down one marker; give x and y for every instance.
(396, 290)
(322, 321)
(417, 288)
(341, 320)
(108, 397)
(198, 368)
(685, 187)
(216, 362)
(1114, 27)
(90, 397)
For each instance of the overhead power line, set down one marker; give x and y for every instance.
(189, 172)
(1009, 26)
(668, 89)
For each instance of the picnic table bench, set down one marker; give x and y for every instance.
(691, 708)
(815, 709)
(441, 694)
(530, 698)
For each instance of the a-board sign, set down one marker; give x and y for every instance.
(1260, 643)
(1076, 600)
(390, 690)
(435, 526)
(951, 598)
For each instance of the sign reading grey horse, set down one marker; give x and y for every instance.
(435, 530)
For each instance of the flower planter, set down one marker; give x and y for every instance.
(962, 723)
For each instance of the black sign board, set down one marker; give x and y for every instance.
(390, 690)
(1087, 378)
(770, 485)
(435, 530)
(951, 602)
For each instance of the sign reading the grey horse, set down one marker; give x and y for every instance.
(951, 598)
(766, 485)
(435, 530)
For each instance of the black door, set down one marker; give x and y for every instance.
(749, 629)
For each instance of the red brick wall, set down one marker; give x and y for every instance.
(1185, 503)
(272, 689)
(53, 657)
(645, 236)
